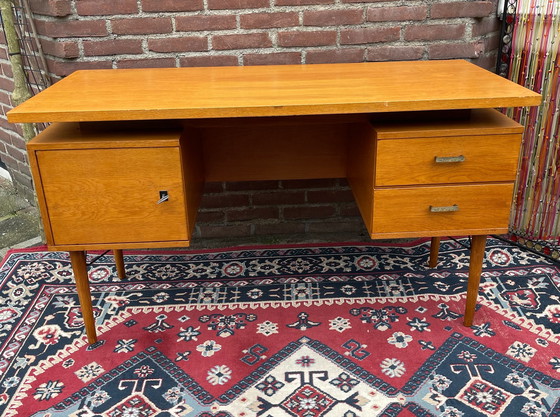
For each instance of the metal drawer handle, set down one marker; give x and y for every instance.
(444, 209)
(449, 159)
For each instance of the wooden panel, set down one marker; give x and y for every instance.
(361, 166)
(119, 245)
(412, 161)
(185, 93)
(425, 125)
(106, 135)
(193, 173)
(406, 211)
(37, 182)
(282, 152)
(109, 195)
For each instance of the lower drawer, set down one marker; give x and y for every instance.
(441, 211)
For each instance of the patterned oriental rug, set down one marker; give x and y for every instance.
(307, 331)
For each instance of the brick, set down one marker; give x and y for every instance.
(276, 58)
(366, 1)
(401, 13)
(307, 38)
(210, 216)
(315, 183)
(10, 162)
(302, 2)
(237, 4)
(329, 196)
(112, 47)
(71, 28)
(241, 41)
(172, 5)
(60, 49)
(24, 168)
(146, 63)
(106, 7)
(455, 50)
(209, 61)
(349, 210)
(462, 9)
(434, 32)
(491, 42)
(6, 84)
(63, 68)
(250, 185)
(19, 143)
(369, 35)
(335, 55)
(224, 200)
(279, 228)
(269, 20)
(485, 26)
(333, 17)
(308, 212)
(487, 61)
(4, 124)
(142, 25)
(199, 23)
(211, 231)
(337, 226)
(15, 153)
(24, 180)
(395, 53)
(176, 44)
(252, 213)
(279, 197)
(56, 8)
(7, 70)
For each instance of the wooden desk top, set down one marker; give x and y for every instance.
(185, 93)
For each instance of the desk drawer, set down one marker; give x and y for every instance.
(109, 196)
(460, 159)
(456, 209)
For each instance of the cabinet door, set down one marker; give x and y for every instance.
(96, 196)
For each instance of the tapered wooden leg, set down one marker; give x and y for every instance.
(478, 244)
(434, 252)
(119, 262)
(79, 267)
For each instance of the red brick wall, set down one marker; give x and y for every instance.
(80, 34)
(129, 33)
(12, 145)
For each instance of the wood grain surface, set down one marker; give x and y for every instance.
(96, 196)
(413, 161)
(183, 93)
(405, 211)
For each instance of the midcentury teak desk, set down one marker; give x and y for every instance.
(123, 163)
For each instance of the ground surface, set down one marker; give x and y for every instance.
(19, 220)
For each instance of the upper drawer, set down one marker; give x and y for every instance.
(440, 160)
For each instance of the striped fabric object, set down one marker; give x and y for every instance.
(535, 64)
